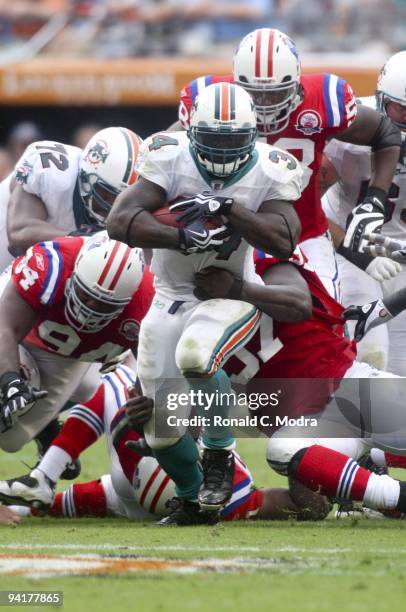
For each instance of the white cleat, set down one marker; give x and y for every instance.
(35, 490)
(359, 512)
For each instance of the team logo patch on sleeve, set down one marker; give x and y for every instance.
(39, 259)
(309, 122)
(21, 173)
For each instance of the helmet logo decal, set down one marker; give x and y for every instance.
(309, 122)
(130, 329)
(98, 153)
(289, 42)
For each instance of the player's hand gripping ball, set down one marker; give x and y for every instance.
(203, 234)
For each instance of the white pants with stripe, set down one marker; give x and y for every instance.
(321, 255)
(387, 424)
(120, 494)
(187, 337)
(62, 378)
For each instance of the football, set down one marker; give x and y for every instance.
(167, 217)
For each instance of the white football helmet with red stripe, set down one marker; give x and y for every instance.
(153, 487)
(108, 164)
(267, 65)
(106, 275)
(223, 129)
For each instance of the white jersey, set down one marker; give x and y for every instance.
(48, 170)
(168, 162)
(353, 165)
(5, 257)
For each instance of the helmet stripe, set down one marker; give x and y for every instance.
(130, 175)
(109, 263)
(232, 102)
(225, 102)
(217, 102)
(149, 484)
(158, 494)
(270, 53)
(120, 269)
(258, 53)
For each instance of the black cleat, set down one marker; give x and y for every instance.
(347, 506)
(35, 490)
(367, 463)
(218, 478)
(72, 470)
(185, 513)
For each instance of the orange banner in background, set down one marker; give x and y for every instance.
(135, 82)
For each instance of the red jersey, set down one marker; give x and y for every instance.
(328, 107)
(314, 351)
(316, 348)
(40, 277)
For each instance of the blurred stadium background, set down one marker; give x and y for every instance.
(69, 67)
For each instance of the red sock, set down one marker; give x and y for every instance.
(83, 426)
(398, 461)
(331, 473)
(85, 499)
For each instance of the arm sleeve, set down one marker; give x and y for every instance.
(157, 159)
(37, 275)
(339, 104)
(29, 172)
(285, 173)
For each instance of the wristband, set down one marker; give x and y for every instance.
(376, 192)
(9, 377)
(127, 234)
(361, 260)
(395, 303)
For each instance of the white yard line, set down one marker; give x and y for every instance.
(180, 548)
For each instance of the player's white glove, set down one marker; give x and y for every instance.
(17, 397)
(379, 245)
(195, 238)
(367, 217)
(202, 205)
(383, 268)
(367, 316)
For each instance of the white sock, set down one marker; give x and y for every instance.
(54, 462)
(382, 492)
(378, 457)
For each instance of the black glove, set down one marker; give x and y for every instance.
(384, 246)
(195, 238)
(201, 206)
(85, 230)
(367, 316)
(367, 217)
(17, 397)
(140, 447)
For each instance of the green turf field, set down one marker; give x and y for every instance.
(333, 565)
